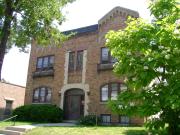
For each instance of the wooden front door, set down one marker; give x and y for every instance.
(74, 104)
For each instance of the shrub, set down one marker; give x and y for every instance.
(39, 113)
(89, 120)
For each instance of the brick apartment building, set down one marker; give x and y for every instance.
(78, 76)
(11, 96)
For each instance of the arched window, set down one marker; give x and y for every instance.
(111, 90)
(42, 95)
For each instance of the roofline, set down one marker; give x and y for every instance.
(85, 29)
(118, 9)
(13, 84)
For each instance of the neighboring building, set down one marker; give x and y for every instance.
(78, 76)
(11, 96)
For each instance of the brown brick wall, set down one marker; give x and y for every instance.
(12, 92)
(92, 42)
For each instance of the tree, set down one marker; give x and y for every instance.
(148, 57)
(22, 21)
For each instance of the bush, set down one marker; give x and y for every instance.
(89, 120)
(39, 113)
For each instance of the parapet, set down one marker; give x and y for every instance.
(118, 10)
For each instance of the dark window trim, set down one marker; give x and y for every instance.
(39, 89)
(109, 57)
(79, 67)
(124, 123)
(101, 93)
(75, 60)
(109, 89)
(104, 62)
(70, 69)
(43, 57)
(106, 115)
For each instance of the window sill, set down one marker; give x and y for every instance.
(43, 73)
(40, 103)
(103, 67)
(103, 103)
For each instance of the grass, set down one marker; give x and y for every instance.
(88, 131)
(80, 130)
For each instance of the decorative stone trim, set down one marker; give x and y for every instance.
(84, 87)
(84, 66)
(9, 99)
(118, 10)
(66, 68)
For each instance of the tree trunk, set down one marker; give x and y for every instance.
(5, 31)
(173, 128)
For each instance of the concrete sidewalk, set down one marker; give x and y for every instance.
(19, 130)
(55, 125)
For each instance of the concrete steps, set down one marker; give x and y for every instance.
(10, 132)
(16, 130)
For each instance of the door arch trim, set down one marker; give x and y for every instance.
(84, 87)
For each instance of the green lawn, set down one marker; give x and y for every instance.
(88, 131)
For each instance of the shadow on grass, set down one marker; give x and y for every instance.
(135, 132)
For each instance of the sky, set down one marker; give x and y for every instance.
(78, 14)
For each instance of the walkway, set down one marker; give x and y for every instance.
(19, 130)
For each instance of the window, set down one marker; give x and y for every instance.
(124, 119)
(104, 93)
(42, 95)
(114, 91)
(75, 64)
(44, 63)
(111, 90)
(106, 56)
(71, 61)
(79, 60)
(106, 118)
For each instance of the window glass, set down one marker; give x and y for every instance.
(124, 119)
(51, 61)
(104, 93)
(113, 60)
(104, 55)
(123, 87)
(114, 95)
(114, 91)
(71, 60)
(48, 96)
(42, 95)
(106, 118)
(79, 59)
(36, 95)
(39, 62)
(114, 86)
(111, 91)
(45, 62)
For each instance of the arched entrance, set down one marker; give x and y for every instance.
(73, 104)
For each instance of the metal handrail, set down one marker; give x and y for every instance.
(10, 119)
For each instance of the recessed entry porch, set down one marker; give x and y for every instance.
(74, 95)
(74, 100)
